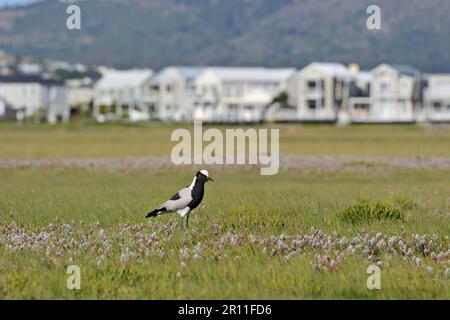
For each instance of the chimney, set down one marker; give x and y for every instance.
(353, 67)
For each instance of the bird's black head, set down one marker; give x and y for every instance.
(203, 176)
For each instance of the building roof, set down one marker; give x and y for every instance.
(436, 75)
(400, 68)
(332, 68)
(23, 78)
(363, 76)
(405, 69)
(117, 79)
(189, 72)
(251, 74)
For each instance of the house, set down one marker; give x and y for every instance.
(121, 93)
(436, 98)
(7, 112)
(80, 92)
(321, 91)
(388, 94)
(7, 63)
(2, 108)
(359, 109)
(280, 114)
(175, 92)
(24, 93)
(396, 94)
(29, 68)
(32, 95)
(226, 94)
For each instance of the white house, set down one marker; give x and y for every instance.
(176, 92)
(395, 94)
(124, 92)
(437, 98)
(391, 94)
(226, 94)
(30, 95)
(80, 92)
(2, 108)
(29, 68)
(322, 90)
(359, 109)
(23, 93)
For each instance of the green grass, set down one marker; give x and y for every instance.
(368, 210)
(18, 141)
(253, 237)
(249, 204)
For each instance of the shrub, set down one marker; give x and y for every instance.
(404, 204)
(366, 210)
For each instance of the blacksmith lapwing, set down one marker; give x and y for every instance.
(185, 200)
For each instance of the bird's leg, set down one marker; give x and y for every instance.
(187, 221)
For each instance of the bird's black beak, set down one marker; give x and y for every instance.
(210, 179)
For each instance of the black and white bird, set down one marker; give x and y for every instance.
(185, 200)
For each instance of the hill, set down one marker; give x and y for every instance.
(155, 33)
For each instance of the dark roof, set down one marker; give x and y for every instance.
(21, 78)
(405, 69)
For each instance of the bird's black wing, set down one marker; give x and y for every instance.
(176, 196)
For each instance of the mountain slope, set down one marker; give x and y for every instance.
(233, 32)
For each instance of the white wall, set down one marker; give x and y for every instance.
(175, 101)
(209, 90)
(35, 97)
(2, 108)
(437, 98)
(324, 111)
(58, 106)
(392, 96)
(79, 95)
(223, 100)
(28, 96)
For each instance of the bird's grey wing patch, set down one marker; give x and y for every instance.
(178, 201)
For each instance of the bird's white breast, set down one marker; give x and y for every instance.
(184, 212)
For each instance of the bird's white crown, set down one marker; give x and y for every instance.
(205, 173)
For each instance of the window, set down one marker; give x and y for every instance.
(190, 88)
(360, 106)
(437, 106)
(231, 90)
(312, 104)
(312, 84)
(404, 84)
(384, 87)
(32, 91)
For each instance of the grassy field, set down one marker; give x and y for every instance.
(252, 237)
(117, 141)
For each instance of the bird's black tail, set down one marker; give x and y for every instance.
(155, 212)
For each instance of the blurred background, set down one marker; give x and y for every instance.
(225, 61)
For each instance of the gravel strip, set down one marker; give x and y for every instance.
(287, 162)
